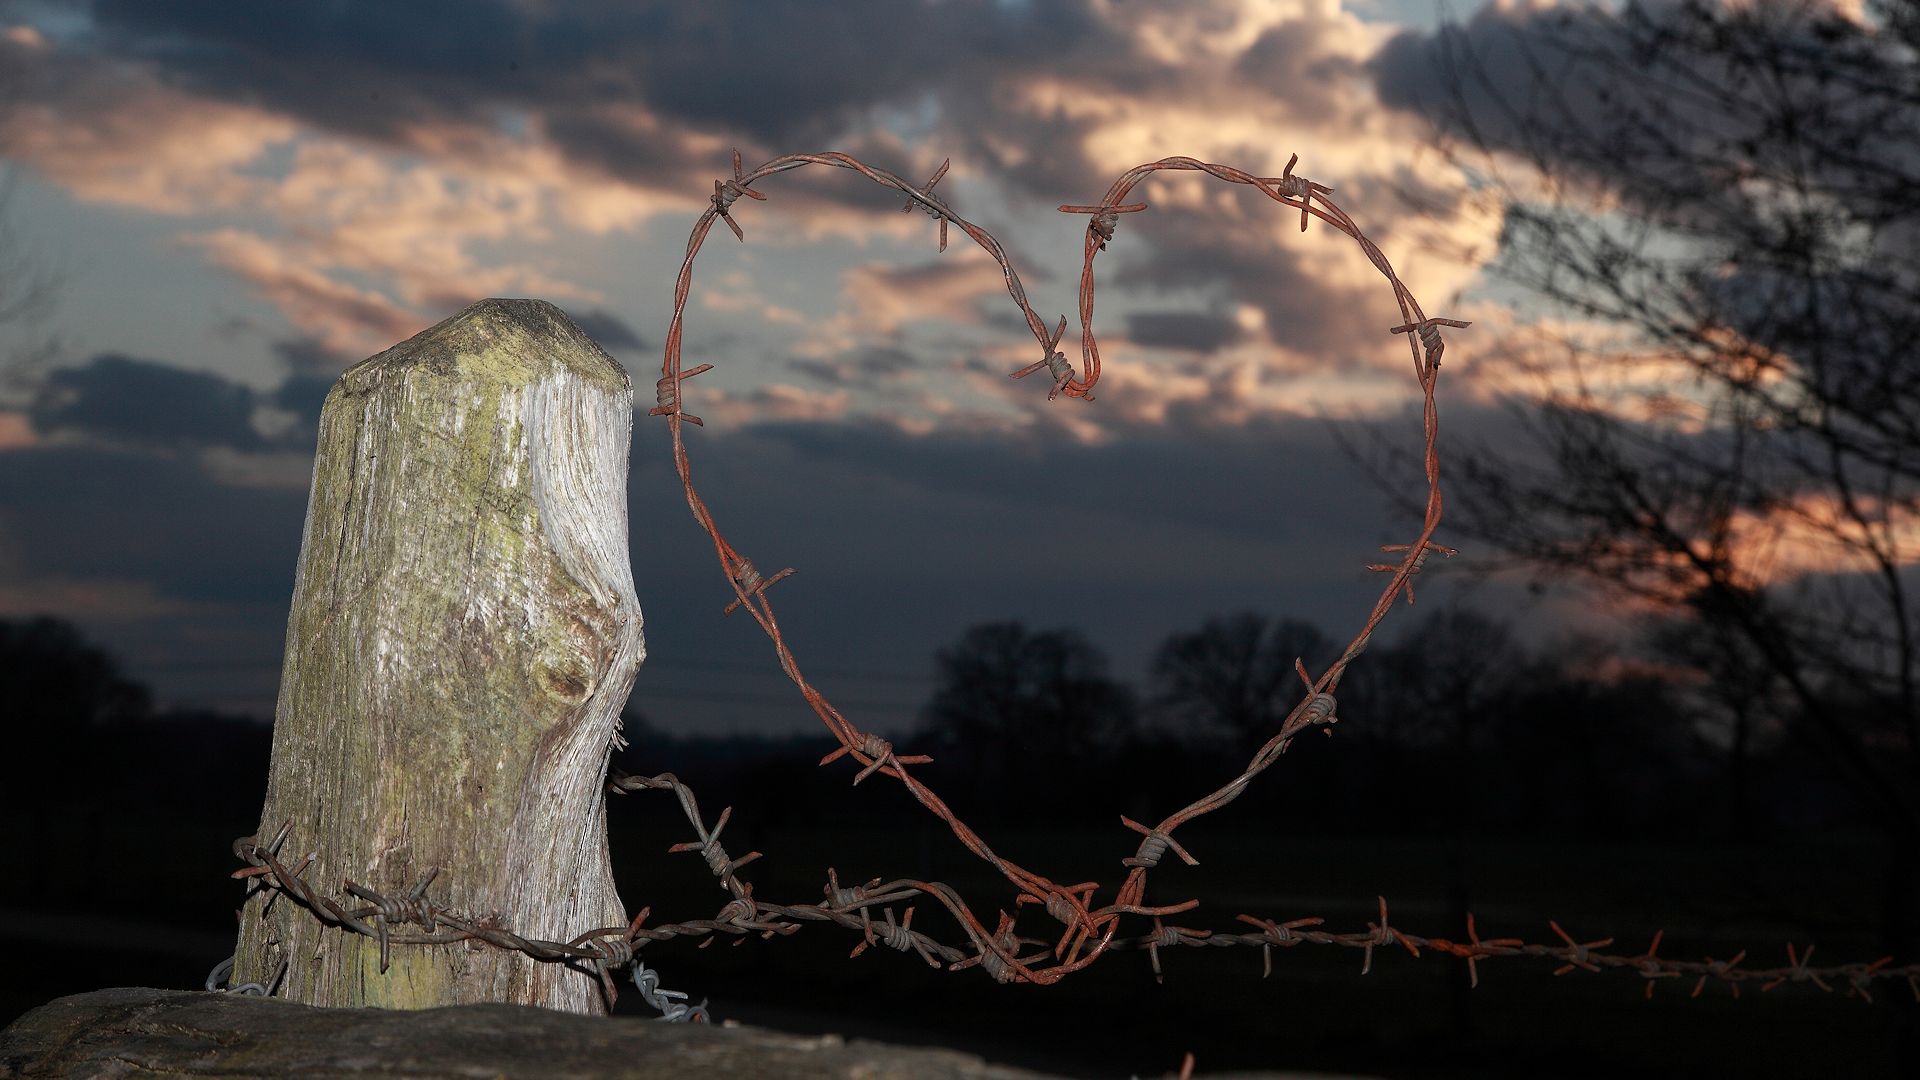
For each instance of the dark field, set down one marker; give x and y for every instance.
(118, 895)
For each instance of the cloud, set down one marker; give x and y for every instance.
(107, 132)
(609, 330)
(1200, 331)
(81, 513)
(122, 399)
(16, 431)
(339, 315)
(882, 299)
(1654, 102)
(310, 355)
(475, 156)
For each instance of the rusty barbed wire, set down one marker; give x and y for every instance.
(1088, 929)
(602, 951)
(1085, 934)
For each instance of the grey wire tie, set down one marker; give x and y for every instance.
(1320, 709)
(927, 206)
(1061, 908)
(877, 748)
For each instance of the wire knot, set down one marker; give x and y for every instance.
(714, 852)
(666, 395)
(404, 909)
(727, 192)
(1105, 217)
(1150, 851)
(1297, 187)
(845, 899)
(1320, 710)
(1153, 847)
(926, 202)
(1428, 331)
(877, 748)
(615, 952)
(1062, 909)
(1055, 362)
(896, 936)
(1419, 560)
(1102, 226)
(744, 575)
(996, 965)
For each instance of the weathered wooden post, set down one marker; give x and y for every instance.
(463, 635)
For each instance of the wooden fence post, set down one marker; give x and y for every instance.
(463, 635)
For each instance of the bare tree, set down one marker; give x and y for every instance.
(27, 293)
(1014, 703)
(1732, 193)
(1749, 451)
(1236, 673)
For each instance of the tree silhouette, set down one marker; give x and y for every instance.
(1027, 714)
(1727, 199)
(1236, 673)
(57, 691)
(1748, 452)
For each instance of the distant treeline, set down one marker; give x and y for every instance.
(1456, 725)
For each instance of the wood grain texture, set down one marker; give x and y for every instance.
(463, 634)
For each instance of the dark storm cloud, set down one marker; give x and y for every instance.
(1196, 330)
(785, 74)
(310, 355)
(1661, 99)
(127, 400)
(1773, 142)
(1218, 255)
(859, 366)
(1291, 58)
(367, 68)
(302, 394)
(610, 331)
(900, 541)
(82, 512)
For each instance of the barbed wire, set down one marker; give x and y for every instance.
(603, 951)
(1086, 934)
(1088, 929)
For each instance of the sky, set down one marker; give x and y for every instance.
(228, 204)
